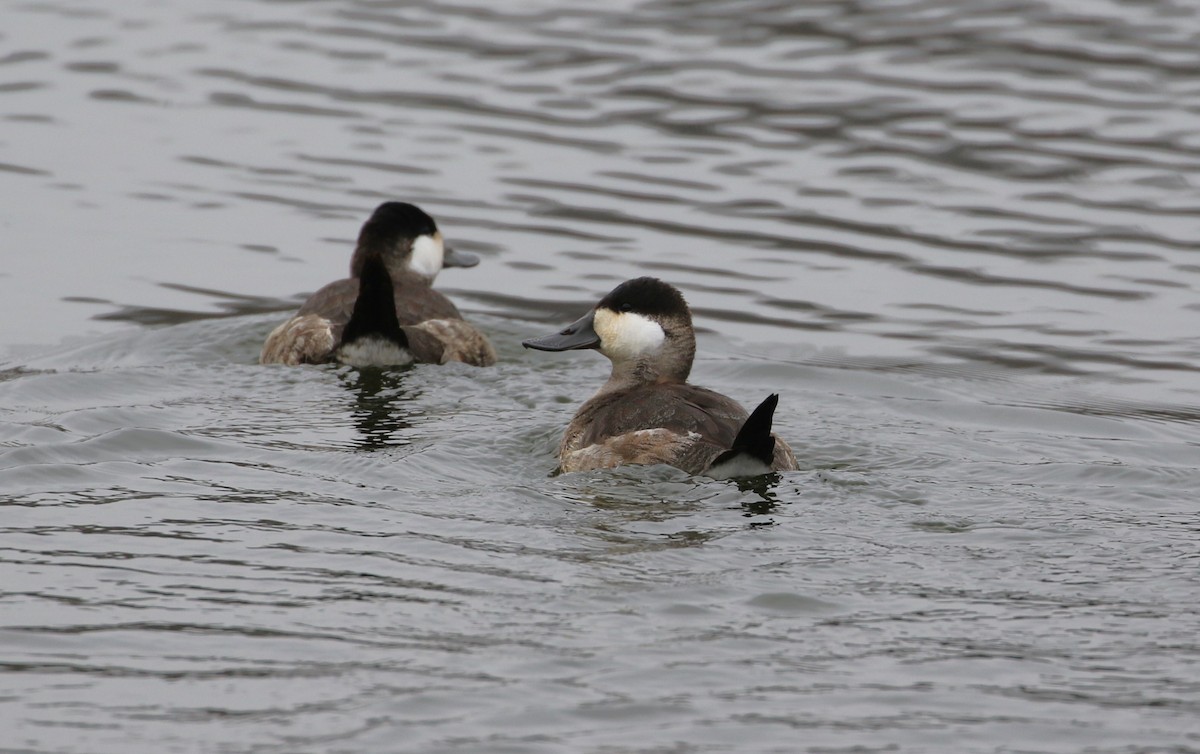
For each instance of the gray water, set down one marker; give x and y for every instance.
(958, 238)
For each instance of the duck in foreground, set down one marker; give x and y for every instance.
(386, 313)
(647, 412)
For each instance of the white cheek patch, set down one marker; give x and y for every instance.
(427, 255)
(625, 335)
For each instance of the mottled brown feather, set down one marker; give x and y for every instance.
(303, 339)
(459, 341)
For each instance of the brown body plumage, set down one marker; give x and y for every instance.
(679, 424)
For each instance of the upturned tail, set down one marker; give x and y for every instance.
(753, 450)
(374, 312)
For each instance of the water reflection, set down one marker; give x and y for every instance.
(765, 499)
(383, 407)
(645, 508)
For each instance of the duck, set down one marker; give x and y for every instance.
(387, 312)
(647, 412)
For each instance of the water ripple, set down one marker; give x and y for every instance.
(957, 239)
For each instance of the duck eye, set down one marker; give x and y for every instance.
(626, 307)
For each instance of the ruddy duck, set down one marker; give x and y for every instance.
(386, 313)
(647, 412)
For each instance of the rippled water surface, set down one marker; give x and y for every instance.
(958, 238)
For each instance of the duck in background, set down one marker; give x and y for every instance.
(386, 313)
(647, 412)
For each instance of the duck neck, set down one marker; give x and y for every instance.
(631, 373)
(645, 371)
(396, 265)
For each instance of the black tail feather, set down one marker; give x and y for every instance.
(754, 439)
(375, 308)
